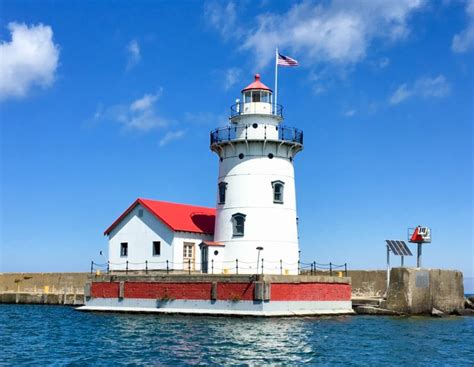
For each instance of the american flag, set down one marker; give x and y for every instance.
(286, 60)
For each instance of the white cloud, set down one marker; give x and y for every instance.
(339, 31)
(146, 102)
(171, 136)
(464, 40)
(223, 18)
(349, 113)
(134, 55)
(232, 76)
(139, 115)
(423, 87)
(30, 58)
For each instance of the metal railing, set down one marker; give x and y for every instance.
(229, 267)
(255, 108)
(239, 132)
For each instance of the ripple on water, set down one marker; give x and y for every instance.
(59, 335)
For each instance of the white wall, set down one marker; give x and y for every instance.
(179, 239)
(249, 191)
(140, 233)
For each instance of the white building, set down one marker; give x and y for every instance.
(255, 217)
(154, 234)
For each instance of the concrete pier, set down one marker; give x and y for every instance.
(233, 295)
(43, 288)
(418, 291)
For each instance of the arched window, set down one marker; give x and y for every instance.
(238, 221)
(222, 190)
(278, 187)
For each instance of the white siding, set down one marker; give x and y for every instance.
(140, 233)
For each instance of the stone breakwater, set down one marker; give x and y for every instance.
(43, 288)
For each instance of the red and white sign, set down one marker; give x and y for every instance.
(420, 235)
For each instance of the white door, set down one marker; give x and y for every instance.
(188, 256)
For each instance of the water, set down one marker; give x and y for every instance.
(55, 335)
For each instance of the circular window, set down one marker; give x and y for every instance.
(241, 156)
(276, 127)
(270, 155)
(254, 126)
(216, 253)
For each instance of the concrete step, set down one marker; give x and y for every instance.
(366, 301)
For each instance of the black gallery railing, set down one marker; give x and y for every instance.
(302, 268)
(239, 132)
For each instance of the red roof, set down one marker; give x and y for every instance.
(178, 217)
(257, 84)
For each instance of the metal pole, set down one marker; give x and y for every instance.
(311, 268)
(298, 267)
(167, 267)
(126, 269)
(345, 269)
(281, 267)
(236, 266)
(388, 267)
(146, 266)
(418, 258)
(108, 267)
(189, 266)
(212, 265)
(401, 261)
(92, 267)
(276, 82)
(330, 268)
(262, 265)
(314, 267)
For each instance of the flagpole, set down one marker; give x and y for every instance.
(276, 81)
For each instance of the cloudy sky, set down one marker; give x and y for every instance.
(102, 103)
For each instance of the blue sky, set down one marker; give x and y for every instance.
(104, 102)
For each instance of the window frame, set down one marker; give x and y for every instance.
(235, 225)
(280, 184)
(153, 248)
(222, 186)
(123, 245)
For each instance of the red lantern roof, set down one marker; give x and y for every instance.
(178, 217)
(257, 84)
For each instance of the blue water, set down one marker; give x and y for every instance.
(55, 335)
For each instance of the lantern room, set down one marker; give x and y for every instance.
(256, 99)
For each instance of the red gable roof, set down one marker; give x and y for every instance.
(178, 217)
(257, 84)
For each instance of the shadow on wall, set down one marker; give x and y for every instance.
(204, 222)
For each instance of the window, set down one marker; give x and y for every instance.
(278, 191)
(156, 248)
(140, 213)
(222, 190)
(266, 97)
(124, 249)
(247, 97)
(238, 220)
(255, 96)
(188, 250)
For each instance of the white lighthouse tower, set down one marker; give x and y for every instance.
(256, 221)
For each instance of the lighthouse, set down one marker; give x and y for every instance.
(256, 227)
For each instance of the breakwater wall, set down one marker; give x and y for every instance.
(233, 295)
(43, 288)
(68, 288)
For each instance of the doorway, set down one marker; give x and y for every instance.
(204, 259)
(188, 256)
